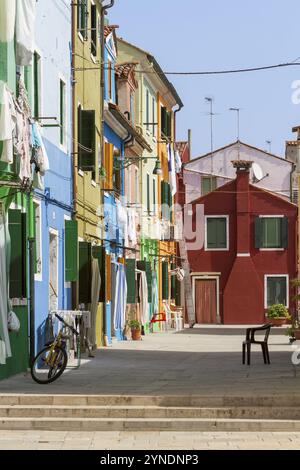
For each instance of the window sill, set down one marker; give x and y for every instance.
(81, 173)
(94, 59)
(272, 249)
(80, 37)
(94, 183)
(216, 249)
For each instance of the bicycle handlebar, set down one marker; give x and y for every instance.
(66, 324)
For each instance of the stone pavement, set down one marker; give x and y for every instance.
(199, 361)
(45, 440)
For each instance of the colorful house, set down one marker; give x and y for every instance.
(249, 257)
(50, 79)
(86, 261)
(154, 115)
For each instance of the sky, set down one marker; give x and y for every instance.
(199, 35)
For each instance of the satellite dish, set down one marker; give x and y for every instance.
(257, 172)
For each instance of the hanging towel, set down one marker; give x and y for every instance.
(2, 353)
(41, 153)
(120, 302)
(178, 162)
(7, 20)
(25, 19)
(143, 298)
(172, 170)
(131, 215)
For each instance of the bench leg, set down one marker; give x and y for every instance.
(244, 353)
(264, 353)
(267, 354)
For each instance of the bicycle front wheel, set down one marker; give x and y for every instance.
(48, 365)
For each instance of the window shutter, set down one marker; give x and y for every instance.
(24, 255)
(258, 232)
(130, 278)
(165, 200)
(169, 125)
(164, 121)
(98, 252)
(87, 139)
(285, 232)
(71, 250)
(221, 228)
(85, 273)
(109, 164)
(165, 280)
(149, 280)
(173, 282)
(16, 259)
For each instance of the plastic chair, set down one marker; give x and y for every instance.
(250, 339)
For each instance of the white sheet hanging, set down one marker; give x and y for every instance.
(172, 170)
(7, 123)
(7, 20)
(4, 266)
(25, 19)
(143, 293)
(96, 285)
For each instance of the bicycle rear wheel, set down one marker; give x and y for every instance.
(44, 373)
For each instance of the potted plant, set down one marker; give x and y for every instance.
(135, 330)
(278, 314)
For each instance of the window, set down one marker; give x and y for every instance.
(166, 123)
(38, 241)
(82, 16)
(147, 110)
(154, 196)
(216, 233)
(86, 140)
(153, 116)
(94, 32)
(71, 250)
(208, 184)
(271, 232)
(276, 290)
(62, 111)
(148, 193)
(37, 85)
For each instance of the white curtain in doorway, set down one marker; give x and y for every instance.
(143, 293)
(120, 299)
(96, 285)
(4, 287)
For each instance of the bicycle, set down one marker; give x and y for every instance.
(49, 364)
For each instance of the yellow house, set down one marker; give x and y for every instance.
(88, 153)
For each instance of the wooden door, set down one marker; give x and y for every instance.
(206, 301)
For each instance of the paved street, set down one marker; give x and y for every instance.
(45, 440)
(201, 361)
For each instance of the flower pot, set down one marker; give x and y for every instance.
(278, 321)
(136, 335)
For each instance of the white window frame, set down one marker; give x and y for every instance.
(64, 146)
(39, 276)
(227, 232)
(271, 217)
(287, 277)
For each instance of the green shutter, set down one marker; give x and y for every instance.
(98, 252)
(16, 259)
(85, 273)
(87, 139)
(173, 282)
(130, 278)
(169, 125)
(165, 200)
(149, 280)
(285, 232)
(165, 280)
(216, 233)
(24, 254)
(71, 250)
(258, 232)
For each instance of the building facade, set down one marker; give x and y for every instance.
(249, 257)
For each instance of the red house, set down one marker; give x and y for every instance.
(249, 255)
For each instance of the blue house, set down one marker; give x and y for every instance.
(51, 102)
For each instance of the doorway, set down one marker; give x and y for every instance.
(206, 300)
(53, 270)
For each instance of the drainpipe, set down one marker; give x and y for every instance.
(180, 106)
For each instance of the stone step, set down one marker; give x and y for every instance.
(149, 424)
(289, 401)
(146, 412)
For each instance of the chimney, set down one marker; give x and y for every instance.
(243, 205)
(243, 293)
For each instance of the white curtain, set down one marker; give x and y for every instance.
(4, 270)
(7, 20)
(96, 285)
(143, 298)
